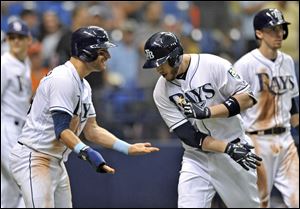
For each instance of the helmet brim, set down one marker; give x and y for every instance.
(155, 63)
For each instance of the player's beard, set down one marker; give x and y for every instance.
(100, 63)
(172, 75)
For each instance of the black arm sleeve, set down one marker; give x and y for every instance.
(294, 108)
(189, 135)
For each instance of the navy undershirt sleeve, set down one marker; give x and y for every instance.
(61, 121)
(189, 135)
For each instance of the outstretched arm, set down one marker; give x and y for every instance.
(64, 132)
(94, 133)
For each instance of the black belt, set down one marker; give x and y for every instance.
(276, 130)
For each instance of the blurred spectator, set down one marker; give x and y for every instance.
(51, 32)
(152, 22)
(131, 9)
(31, 18)
(125, 60)
(213, 19)
(80, 18)
(101, 15)
(38, 71)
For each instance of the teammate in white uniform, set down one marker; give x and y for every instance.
(61, 110)
(199, 96)
(271, 75)
(15, 100)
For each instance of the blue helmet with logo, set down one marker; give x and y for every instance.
(162, 47)
(18, 27)
(269, 18)
(86, 42)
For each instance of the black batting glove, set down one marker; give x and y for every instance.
(241, 153)
(192, 110)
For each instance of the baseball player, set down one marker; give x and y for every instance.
(61, 110)
(199, 96)
(15, 100)
(271, 75)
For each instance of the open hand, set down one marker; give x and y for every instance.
(141, 149)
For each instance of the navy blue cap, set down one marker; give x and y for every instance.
(18, 27)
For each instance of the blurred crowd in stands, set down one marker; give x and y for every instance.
(123, 94)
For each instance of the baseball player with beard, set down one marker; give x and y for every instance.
(199, 96)
(61, 110)
(271, 75)
(15, 101)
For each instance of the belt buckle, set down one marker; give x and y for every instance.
(260, 133)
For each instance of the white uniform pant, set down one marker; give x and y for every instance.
(43, 179)
(10, 193)
(204, 174)
(280, 167)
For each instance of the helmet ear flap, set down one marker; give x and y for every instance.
(286, 31)
(88, 56)
(176, 57)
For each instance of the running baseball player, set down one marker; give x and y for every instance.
(199, 96)
(15, 101)
(271, 75)
(61, 110)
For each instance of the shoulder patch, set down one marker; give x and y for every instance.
(233, 73)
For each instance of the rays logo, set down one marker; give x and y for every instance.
(149, 54)
(278, 15)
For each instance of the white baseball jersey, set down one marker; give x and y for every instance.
(40, 158)
(61, 90)
(15, 87)
(274, 84)
(15, 99)
(210, 80)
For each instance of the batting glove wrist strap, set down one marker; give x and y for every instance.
(121, 146)
(192, 110)
(79, 147)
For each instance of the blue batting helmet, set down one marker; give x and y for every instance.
(18, 27)
(87, 41)
(162, 47)
(269, 18)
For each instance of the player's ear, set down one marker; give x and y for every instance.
(259, 34)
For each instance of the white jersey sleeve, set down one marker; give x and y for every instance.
(227, 79)
(170, 113)
(62, 97)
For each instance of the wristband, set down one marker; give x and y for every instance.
(121, 146)
(233, 106)
(79, 147)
